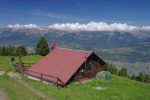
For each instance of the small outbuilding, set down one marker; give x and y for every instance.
(61, 66)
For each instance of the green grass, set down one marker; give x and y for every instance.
(118, 88)
(5, 62)
(15, 90)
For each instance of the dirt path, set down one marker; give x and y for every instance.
(3, 95)
(28, 86)
(38, 93)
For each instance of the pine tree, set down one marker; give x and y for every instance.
(3, 51)
(140, 77)
(9, 49)
(133, 77)
(42, 47)
(0, 50)
(23, 50)
(147, 78)
(13, 50)
(123, 72)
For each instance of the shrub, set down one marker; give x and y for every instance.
(103, 75)
(111, 68)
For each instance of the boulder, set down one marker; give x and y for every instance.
(103, 75)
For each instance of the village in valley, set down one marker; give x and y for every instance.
(65, 57)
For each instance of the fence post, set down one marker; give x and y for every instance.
(57, 82)
(41, 77)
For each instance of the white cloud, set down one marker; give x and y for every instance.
(93, 26)
(146, 28)
(18, 26)
(49, 15)
(57, 16)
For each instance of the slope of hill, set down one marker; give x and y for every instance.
(118, 88)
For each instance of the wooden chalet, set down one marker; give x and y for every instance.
(62, 66)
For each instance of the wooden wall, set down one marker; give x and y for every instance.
(89, 68)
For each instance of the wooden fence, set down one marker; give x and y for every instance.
(44, 77)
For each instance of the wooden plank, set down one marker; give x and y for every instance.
(42, 77)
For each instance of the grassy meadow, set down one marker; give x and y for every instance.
(6, 65)
(118, 88)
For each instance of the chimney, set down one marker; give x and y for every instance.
(53, 45)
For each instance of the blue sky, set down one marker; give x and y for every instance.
(45, 12)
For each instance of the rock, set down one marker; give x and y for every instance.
(2, 72)
(103, 75)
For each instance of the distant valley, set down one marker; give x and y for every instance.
(120, 48)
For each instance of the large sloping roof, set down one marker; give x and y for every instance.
(61, 63)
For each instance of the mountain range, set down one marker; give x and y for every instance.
(76, 39)
(121, 48)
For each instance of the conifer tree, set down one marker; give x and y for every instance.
(23, 50)
(42, 47)
(147, 78)
(133, 77)
(140, 77)
(3, 51)
(123, 72)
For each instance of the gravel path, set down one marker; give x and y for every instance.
(36, 92)
(3, 95)
(29, 87)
